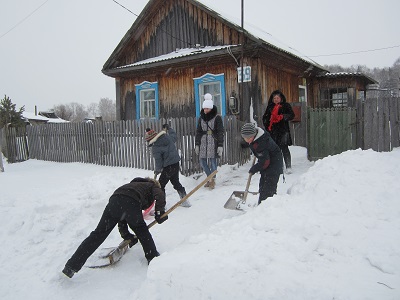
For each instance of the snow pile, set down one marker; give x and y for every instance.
(332, 232)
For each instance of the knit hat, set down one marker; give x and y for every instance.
(248, 130)
(208, 103)
(150, 134)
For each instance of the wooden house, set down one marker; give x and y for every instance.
(178, 50)
(340, 89)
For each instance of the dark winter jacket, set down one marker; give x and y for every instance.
(144, 190)
(164, 149)
(209, 133)
(280, 132)
(268, 153)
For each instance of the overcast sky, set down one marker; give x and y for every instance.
(52, 51)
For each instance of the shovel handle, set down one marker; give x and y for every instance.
(124, 244)
(246, 191)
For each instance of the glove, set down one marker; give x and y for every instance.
(219, 151)
(133, 239)
(244, 144)
(252, 171)
(197, 149)
(156, 172)
(158, 217)
(165, 127)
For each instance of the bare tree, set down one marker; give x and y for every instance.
(107, 109)
(93, 110)
(78, 112)
(62, 111)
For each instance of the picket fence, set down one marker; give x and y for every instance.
(123, 144)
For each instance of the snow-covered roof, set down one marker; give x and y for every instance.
(178, 53)
(34, 117)
(345, 74)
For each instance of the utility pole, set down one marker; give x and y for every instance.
(242, 56)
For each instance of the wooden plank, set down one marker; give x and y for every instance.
(395, 122)
(385, 124)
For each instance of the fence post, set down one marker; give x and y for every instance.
(1, 160)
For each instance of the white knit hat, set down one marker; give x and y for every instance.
(208, 103)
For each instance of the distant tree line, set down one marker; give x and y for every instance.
(388, 78)
(75, 112)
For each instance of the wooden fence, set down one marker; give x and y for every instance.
(122, 143)
(374, 124)
(14, 144)
(379, 124)
(331, 131)
(2, 141)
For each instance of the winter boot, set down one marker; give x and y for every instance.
(151, 255)
(185, 203)
(68, 271)
(212, 184)
(207, 184)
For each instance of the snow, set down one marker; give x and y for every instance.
(331, 232)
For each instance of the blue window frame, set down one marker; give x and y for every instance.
(213, 84)
(147, 105)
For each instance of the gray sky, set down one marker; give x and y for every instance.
(55, 55)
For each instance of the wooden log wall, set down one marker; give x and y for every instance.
(176, 24)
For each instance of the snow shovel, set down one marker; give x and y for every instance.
(113, 255)
(238, 198)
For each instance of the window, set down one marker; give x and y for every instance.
(147, 100)
(302, 93)
(333, 97)
(213, 84)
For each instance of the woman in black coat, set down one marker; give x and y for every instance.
(125, 209)
(276, 121)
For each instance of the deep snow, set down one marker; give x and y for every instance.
(332, 232)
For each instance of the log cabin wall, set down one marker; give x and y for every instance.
(176, 89)
(175, 24)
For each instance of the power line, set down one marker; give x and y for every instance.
(361, 51)
(20, 22)
(126, 8)
(301, 54)
(168, 33)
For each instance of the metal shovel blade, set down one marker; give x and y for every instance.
(234, 200)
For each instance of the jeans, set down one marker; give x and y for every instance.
(208, 166)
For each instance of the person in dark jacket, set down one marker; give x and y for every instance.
(276, 121)
(209, 140)
(269, 159)
(124, 208)
(166, 159)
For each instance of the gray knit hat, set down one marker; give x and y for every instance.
(248, 130)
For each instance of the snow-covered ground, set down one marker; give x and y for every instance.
(332, 232)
